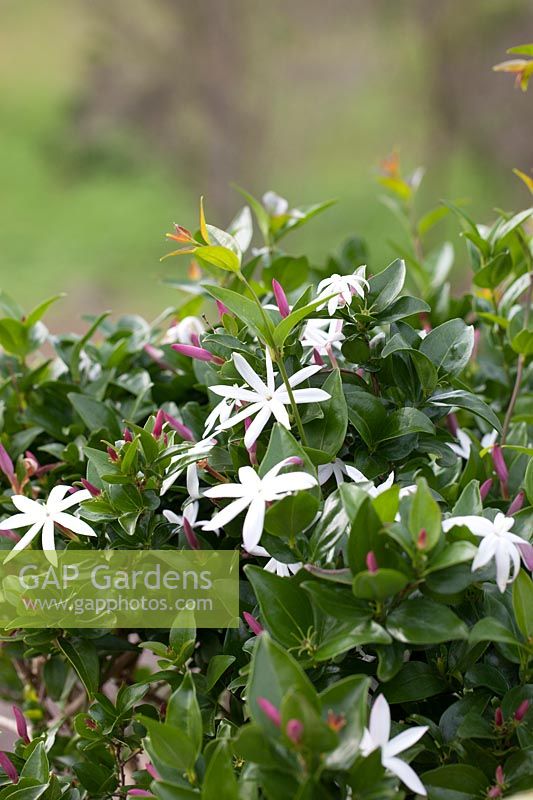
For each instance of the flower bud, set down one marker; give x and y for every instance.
(422, 540)
(269, 710)
(6, 465)
(158, 424)
(190, 535)
(11, 535)
(485, 488)
(90, 487)
(495, 791)
(281, 299)
(22, 727)
(9, 768)
(453, 425)
(498, 717)
(178, 426)
(112, 453)
(517, 504)
(156, 355)
(371, 562)
(294, 730)
(31, 465)
(127, 435)
(254, 624)
(198, 353)
(139, 792)
(500, 777)
(500, 467)
(151, 770)
(526, 551)
(317, 358)
(521, 711)
(222, 309)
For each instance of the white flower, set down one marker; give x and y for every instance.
(273, 565)
(465, 444)
(185, 457)
(264, 399)
(242, 229)
(43, 516)
(254, 493)
(277, 206)
(375, 491)
(497, 543)
(489, 439)
(339, 469)
(377, 735)
(322, 335)
(186, 331)
(343, 287)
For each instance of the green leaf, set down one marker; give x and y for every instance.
(366, 413)
(523, 603)
(95, 415)
(219, 775)
(216, 668)
(37, 766)
(347, 697)
(380, 584)
(405, 421)
(168, 744)
(386, 286)
(273, 673)
(422, 621)
(285, 607)
(491, 629)
(415, 681)
(245, 309)
(183, 712)
(468, 401)
(449, 346)
(328, 434)
(425, 515)
(83, 657)
(455, 782)
(219, 256)
(284, 328)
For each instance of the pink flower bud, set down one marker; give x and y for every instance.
(498, 717)
(198, 353)
(22, 728)
(485, 488)
(6, 465)
(521, 711)
(127, 435)
(269, 710)
(151, 770)
(517, 504)
(178, 426)
(295, 461)
(156, 355)
(500, 777)
(422, 540)
(11, 535)
(281, 299)
(254, 625)
(31, 465)
(222, 309)
(500, 467)
(91, 724)
(9, 768)
(90, 487)
(495, 791)
(294, 730)
(526, 551)
(139, 793)
(371, 562)
(195, 339)
(158, 424)
(112, 453)
(453, 425)
(317, 358)
(190, 535)
(424, 321)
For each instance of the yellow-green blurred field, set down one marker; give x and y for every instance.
(115, 116)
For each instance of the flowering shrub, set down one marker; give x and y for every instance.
(365, 442)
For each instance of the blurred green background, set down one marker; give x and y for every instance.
(116, 115)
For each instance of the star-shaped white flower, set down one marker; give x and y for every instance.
(186, 331)
(322, 335)
(264, 399)
(186, 456)
(191, 505)
(339, 469)
(377, 735)
(38, 516)
(277, 206)
(497, 543)
(221, 412)
(253, 492)
(462, 449)
(343, 287)
(279, 568)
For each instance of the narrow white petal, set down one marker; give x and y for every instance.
(226, 490)
(56, 495)
(379, 723)
(310, 395)
(325, 471)
(249, 411)
(256, 428)
(29, 507)
(477, 525)
(227, 514)
(271, 384)
(253, 523)
(73, 499)
(250, 375)
(47, 539)
(406, 774)
(173, 518)
(503, 565)
(280, 413)
(237, 393)
(28, 537)
(405, 740)
(193, 484)
(303, 374)
(355, 474)
(73, 524)
(20, 521)
(485, 552)
(333, 305)
(290, 482)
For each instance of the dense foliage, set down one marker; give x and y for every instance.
(368, 450)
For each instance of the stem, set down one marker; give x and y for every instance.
(294, 406)
(521, 358)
